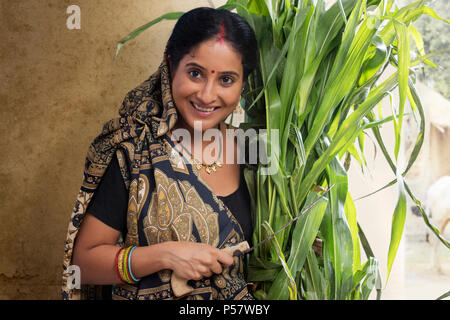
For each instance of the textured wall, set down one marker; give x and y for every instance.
(58, 87)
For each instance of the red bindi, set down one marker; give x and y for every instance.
(212, 71)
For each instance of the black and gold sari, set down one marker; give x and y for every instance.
(167, 199)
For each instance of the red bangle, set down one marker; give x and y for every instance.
(116, 265)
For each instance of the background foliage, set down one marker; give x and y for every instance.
(436, 37)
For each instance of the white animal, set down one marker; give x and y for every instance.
(438, 208)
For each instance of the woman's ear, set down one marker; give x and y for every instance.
(244, 84)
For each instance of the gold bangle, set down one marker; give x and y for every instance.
(120, 265)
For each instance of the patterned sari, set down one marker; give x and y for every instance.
(168, 201)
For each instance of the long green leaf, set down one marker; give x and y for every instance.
(350, 213)
(445, 295)
(316, 288)
(414, 154)
(286, 270)
(342, 83)
(398, 223)
(338, 245)
(135, 33)
(425, 217)
(371, 278)
(404, 61)
(347, 132)
(303, 236)
(369, 253)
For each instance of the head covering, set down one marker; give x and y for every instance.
(153, 171)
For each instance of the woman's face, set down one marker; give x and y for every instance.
(207, 84)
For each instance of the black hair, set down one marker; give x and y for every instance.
(202, 24)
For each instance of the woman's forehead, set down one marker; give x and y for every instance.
(215, 56)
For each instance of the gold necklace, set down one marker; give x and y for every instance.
(209, 168)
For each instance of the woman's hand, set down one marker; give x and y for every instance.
(194, 261)
(95, 250)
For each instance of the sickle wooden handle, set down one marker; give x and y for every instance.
(180, 286)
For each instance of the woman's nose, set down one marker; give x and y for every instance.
(207, 94)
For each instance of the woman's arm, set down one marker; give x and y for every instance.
(95, 252)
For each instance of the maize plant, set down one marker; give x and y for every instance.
(318, 87)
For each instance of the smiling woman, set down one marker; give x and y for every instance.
(145, 214)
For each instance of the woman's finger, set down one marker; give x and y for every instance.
(216, 268)
(225, 258)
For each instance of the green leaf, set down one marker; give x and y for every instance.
(305, 231)
(135, 33)
(260, 270)
(425, 217)
(378, 55)
(347, 132)
(316, 283)
(292, 287)
(445, 295)
(417, 39)
(341, 80)
(352, 150)
(350, 213)
(371, 278)
(398, 223)
(404, 61)
(369, 253)
(414, 154)
(337, 237)
(303, 236)
(415, 101)
(258, 7)
(428, 11)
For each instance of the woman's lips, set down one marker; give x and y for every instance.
(203, 111)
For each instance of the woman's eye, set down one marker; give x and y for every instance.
(227, 80)
(194, 73)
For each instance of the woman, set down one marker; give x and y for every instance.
(173, 217)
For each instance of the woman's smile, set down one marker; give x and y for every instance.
(203, 110)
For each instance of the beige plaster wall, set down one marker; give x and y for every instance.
(58, 87)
